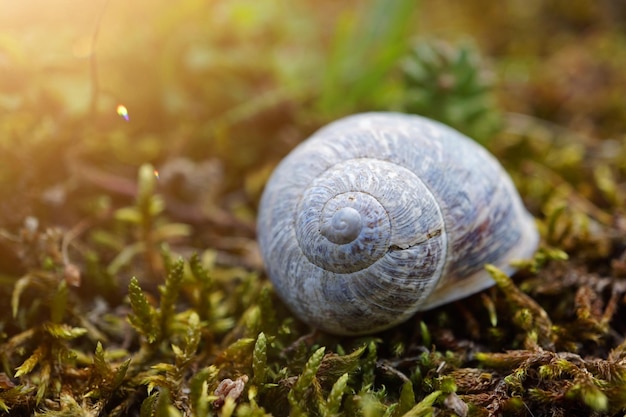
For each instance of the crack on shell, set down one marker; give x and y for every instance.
(429, 235)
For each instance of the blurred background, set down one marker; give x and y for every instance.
(213, 93)
(135, 132)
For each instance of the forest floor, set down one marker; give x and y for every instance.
(135, 142)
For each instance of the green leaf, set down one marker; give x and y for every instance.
(193, 336)
(19, 287)
(333, 402)
(59, 303)
(269, 322)
(259, 359)
(336, 365)
(371, 406)
(169, 293)
(155, 206)
(228, 408)
(128, 214)
(99, 363)
(146, 185)
(171, 230)
(164, 407)
(29, 364)
(425, 407)
(144, 315)
(297, 393)
(154, 382)
(198, 395)
(426, 339)
(369, 365)
(520, 302)
(63, 331)
(594, 397)
(239, 350)
(178, 352)
(148, 405)
(120, 374)
(69, 407)
(44, 381)
(406, 401)
(166, 256)
(199, 271)
(166, 368)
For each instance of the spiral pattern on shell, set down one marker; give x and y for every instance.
(379, 215)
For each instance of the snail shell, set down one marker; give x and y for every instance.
(380, 215)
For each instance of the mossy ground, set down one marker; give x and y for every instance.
(129, 271)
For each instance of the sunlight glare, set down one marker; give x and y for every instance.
(123, 112)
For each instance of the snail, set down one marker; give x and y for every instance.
(380, 215)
